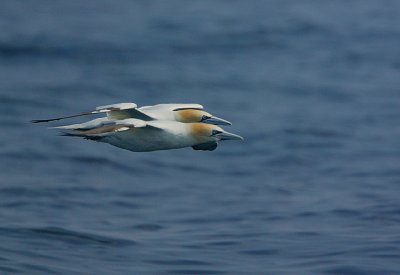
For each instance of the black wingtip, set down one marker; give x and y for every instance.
(45, 120)
(38, 120)
(70, 134)
(67, 135)
(60, 118)
(95, 138)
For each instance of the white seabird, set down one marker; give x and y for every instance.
(143, 136)
(185, 113)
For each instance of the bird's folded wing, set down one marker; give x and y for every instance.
(106, 128)
(177, 107)
(128, 113)
(172, 107)
(116, 107)
(109, 109)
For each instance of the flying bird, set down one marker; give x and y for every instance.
(186, 113)
(143, 136)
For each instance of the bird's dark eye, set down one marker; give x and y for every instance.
(205, 117)
(215, 132)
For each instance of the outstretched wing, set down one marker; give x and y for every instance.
(114, 111)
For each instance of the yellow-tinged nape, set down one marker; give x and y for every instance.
(202, 131)
(190, 115)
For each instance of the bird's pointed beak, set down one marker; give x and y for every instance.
(229, 136)
(216, 121)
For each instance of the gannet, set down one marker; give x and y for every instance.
(144, 136)
(186, 113)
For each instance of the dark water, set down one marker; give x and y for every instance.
(313, 86)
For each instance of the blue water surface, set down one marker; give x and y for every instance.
(313, 86)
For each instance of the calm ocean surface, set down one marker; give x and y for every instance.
(313, 86)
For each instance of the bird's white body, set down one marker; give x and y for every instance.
(158, 135)
(145, 136)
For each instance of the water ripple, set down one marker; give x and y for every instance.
(66, 235)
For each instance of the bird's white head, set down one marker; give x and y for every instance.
(204, 133)
(195, 115)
